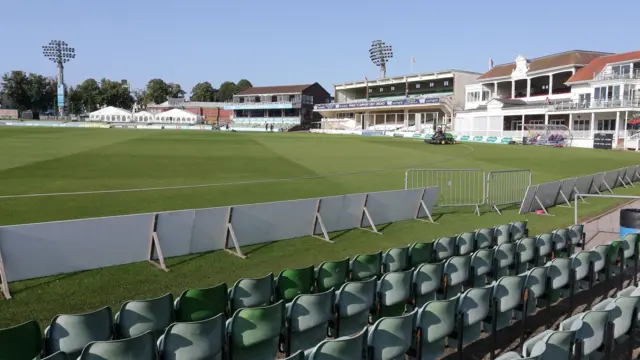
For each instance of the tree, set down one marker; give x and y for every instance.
(157, 91)
(140, 96)
(114, 93)
(227, 89)
(15, 86)
(74, 101)
(175, 91)
(243, 85)
(29, 92)
(90, 93)
(203, 91)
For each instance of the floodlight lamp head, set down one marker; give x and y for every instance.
(380, 53)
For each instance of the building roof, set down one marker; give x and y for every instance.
(282, 89)
(598, 64)
(573, 57)
(177, 112)
(410, 77)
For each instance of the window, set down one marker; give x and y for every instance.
(621, 69)
(292, 97)
(486, 94)
(274, 98)
(417, 86)
(606, 125)
(431, 84)
(536, 122)
(241, 99)
(581, 125)
(370, 90)
(381, 89)
(393, 88)
(556, 121)
(446, 83)
(584, 99)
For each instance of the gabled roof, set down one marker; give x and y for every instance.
(177, 112)
(597, 65)
(573, 57)
(283, 89)
(110, 110)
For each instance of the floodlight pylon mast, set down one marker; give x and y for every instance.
(60, 53)
(380, 53)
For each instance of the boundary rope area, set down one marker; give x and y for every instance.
(469, 151)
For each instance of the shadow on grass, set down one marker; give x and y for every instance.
(47, 281)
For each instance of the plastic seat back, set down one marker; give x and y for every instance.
(293, 282)
(344, 348)
(576, 234)
(436, 320)
(420, 253)
(581, 264)
(558, 345)
(139, 316)
(508, 294)
(354, 300)
(465, 243)
(201, 304)
(590, 328)
(427, 280)
(560, 239)
(194, 340)
(444, 248)
(71, 333)
(366, 266)
(394, 291)
(307, 319)
(536, 283)
(457, 271)
(140, 347)
(396, 259)
(559, 273)
(525, 254)
(505, 256)
(253, 333)
(481, 265)
(390, 338)
(484, 238)
(544, 245)
(621, 311)
(473, 308)
(518, 230)
(332, 274)
(253, 292)
(599, 256)
(22, 341)
(502, 234)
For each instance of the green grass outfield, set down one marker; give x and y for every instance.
(49, 160)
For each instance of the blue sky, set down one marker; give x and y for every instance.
(268, 42)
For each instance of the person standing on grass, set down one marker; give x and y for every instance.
(266, 126)
(271, 127)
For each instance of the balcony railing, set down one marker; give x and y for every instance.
(611, 76)
(595, 104)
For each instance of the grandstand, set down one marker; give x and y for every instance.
(404, 103)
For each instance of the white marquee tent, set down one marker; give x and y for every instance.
(110, 114)
(177, 116)
(144, 117)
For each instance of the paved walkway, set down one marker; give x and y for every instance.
(606, 227)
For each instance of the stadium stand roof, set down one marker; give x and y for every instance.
(567, 58)
(282, 89)
(598, 64)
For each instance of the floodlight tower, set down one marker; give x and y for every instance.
(380, 53)
(60, 53)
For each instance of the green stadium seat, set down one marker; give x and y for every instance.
(396, 259)
(507, 295)
(390, 337)
(502, 234)
(71, 333)
(366, 266)
(435, 322)
(140, 347)
(254, 333)
(560, 239)
(465, 243)
(589, 328)
(21, 342)
(525, 254)
(457, 271)
(307, 320)
(473, 310)
(426, 282)
(518, 230)
(139, 316)
(504, 260)
(332, 275)
(481, 266)
(544, 248)
(354, 301)
(293, 282)
(420, 253)
(484, 238)
(251, 292)
(344, 348)
(444, 248)
(581, 264)
(393, 293)
(203, 339)
(201, 304)
(576, 236)
(557, 345)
